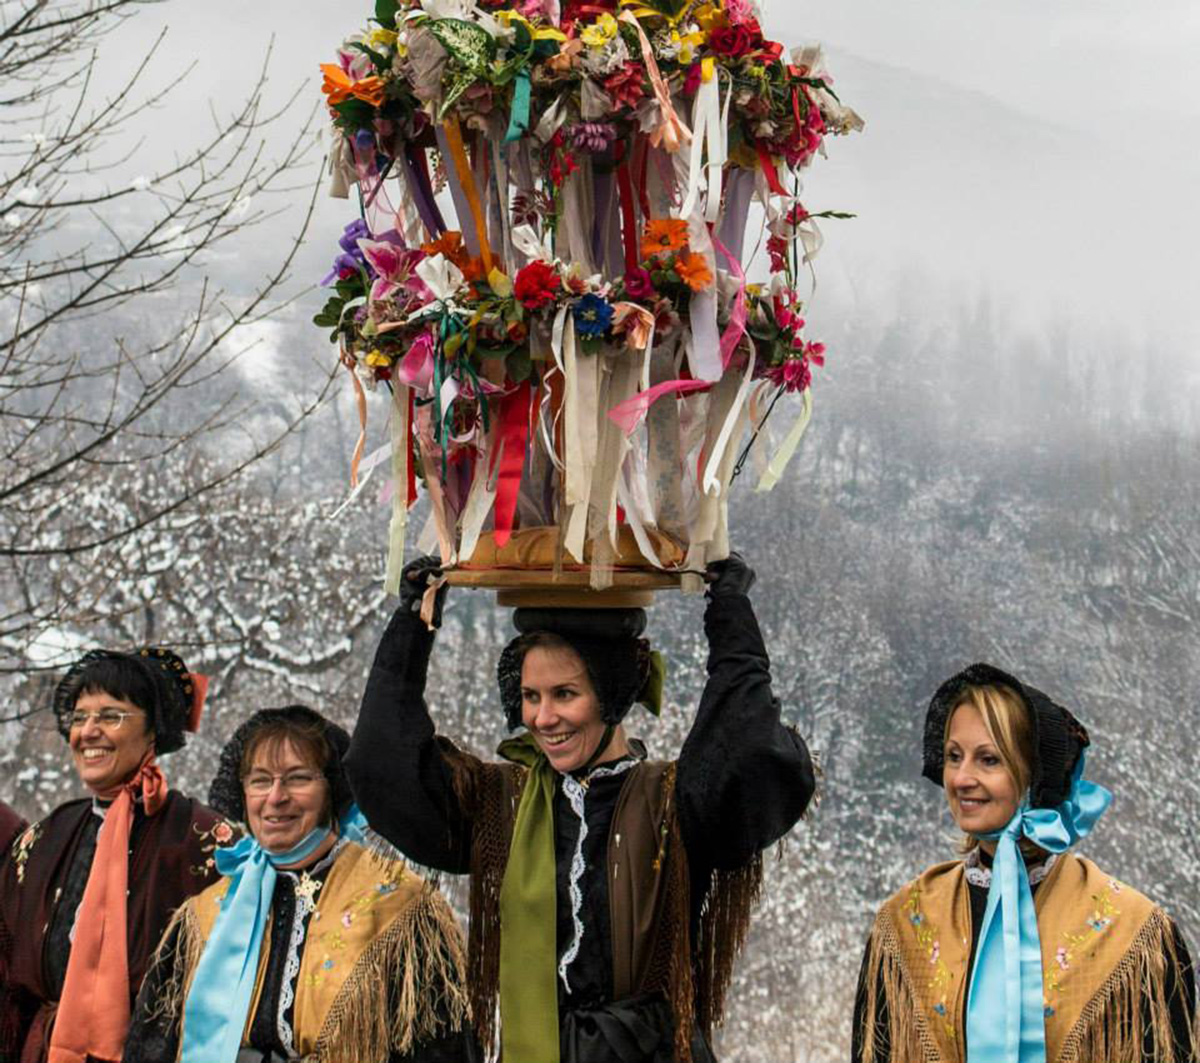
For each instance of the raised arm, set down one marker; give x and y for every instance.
(744, 777)
(395, 765)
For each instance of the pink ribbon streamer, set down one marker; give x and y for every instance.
(629, 414)
(736, 328)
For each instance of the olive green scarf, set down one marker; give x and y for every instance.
(528, 917)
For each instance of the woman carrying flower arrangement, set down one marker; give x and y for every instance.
(1023, 952)
(609, 893)
(86, 893)
(310, 946)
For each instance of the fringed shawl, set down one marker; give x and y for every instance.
(382, 967)
(1106, 950)
(650, 898)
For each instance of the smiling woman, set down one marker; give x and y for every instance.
(310, 946)
(610, 893)
(1022, 952)
(68, 981)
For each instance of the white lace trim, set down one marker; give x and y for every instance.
(978, 875)
(306, 904)
(576, 791)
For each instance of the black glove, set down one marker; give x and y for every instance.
(729, 577)
(414, 581)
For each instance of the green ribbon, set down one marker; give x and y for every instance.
(651, 695)
(518, 124)
(529, 918)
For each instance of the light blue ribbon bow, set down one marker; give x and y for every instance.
(218, 1002)
(1005, 1009)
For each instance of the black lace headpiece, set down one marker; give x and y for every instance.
(1058, 738)
(608, 641)
(226, 794)
(154, 679)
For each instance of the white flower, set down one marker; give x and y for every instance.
(140, 183)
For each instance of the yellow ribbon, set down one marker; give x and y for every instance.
(467, 180)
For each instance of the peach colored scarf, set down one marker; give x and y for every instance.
(93, 1015)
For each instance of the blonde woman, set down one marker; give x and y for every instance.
(1020, 951)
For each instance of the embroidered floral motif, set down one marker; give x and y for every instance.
(24, 845)
(220, 834)
(1097, 922)
(941, 978)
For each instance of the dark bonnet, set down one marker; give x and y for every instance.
(226, 795)
(607, 640)
(1058, 738)
(152, 674)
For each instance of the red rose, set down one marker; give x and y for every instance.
(536, 285)
(735, 41)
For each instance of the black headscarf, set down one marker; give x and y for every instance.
(608, 641)
(1058, 738)
(226, 794)
(154, 679)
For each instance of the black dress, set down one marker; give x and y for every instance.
(743, 780)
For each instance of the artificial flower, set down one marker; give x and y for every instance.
(793, 375)
(600, 32)
(735, 41)
(393, 266)
(449, 244)
(339, 87)
(625, 86)
(693, 271)
(594, 136)
(536, 285)
(351, 260)
(777, 248)
(662, 235)
(593, 315)
(638, 285)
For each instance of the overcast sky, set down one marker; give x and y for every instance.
(1043, 154)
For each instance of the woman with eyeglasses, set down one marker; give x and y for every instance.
(318, 943)
(86, 892)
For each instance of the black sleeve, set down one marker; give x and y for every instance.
(395, 765)
(153, 1031)
(883, 1047)
(743, 778)
(1180, 993)
(457, 1047)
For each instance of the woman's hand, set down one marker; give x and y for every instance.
(414, 581)
(728, 577)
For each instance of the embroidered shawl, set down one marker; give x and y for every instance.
(382, 951)
(1105, 948)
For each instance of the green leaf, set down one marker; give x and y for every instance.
(471, 45)
(385, 13)
(519, 365)
(833, 214)
(381, 63)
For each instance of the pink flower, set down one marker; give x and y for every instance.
(416, 367)
(394, 268)
(638, 285)
(593, 136)
(625, 86)
(223, 833)
(691, 83)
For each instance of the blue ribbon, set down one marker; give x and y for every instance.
(518, 123)
(1005, 1009)
(218, 1002)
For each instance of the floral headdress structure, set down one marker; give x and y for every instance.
(579, 347)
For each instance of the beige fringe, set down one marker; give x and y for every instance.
(408, 987)
(1112, 1027)
(904, 1032)
(178, 954)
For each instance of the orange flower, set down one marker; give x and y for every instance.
(663, 234)
(693, 271)
(449, 244)
(339, 87)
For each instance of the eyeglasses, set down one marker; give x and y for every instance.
(294, 782)
(108, 719)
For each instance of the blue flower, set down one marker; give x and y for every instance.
(593, 315)
(915, 919)
(940, 1008)
(1049, 1011)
